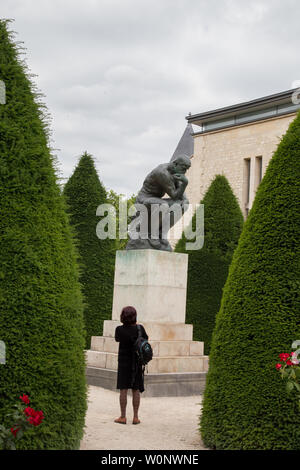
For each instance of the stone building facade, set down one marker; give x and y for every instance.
(242, 154)
(237, 141)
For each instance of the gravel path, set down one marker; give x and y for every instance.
(166, 423)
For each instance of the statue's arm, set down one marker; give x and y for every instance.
(168, 185)
(176, 188)
(172, 185)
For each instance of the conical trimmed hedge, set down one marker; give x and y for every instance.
(208, 267)
(115, 199)
(245, 403)
(41, 311)
(84, 193)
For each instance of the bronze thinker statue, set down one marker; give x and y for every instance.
(157, 214)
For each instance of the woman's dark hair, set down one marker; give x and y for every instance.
(128, 316)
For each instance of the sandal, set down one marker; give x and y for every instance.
(120, 420)
(136, 421)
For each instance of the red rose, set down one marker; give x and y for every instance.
(278, 366)
(289, 363)
(284, 356)
(25, 399)
(40, 417)
(14, 431)
(36, 417)
(28, 411)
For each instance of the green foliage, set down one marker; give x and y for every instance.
(41, 310)
(115, 199)
(21, 420)
(84, 193)
(245, 406)
(208, 267)
(290, 372)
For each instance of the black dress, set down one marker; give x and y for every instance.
(126, 336)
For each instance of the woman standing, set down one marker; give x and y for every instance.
(130, 375)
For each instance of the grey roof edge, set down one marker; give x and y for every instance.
(185, 145)
(241, 107)
(245, 123)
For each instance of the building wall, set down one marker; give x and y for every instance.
(225, 151)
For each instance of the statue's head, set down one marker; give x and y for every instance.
(180, 165)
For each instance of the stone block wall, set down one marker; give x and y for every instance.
(224, 152)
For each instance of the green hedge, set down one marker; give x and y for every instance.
(84, 193)
(245, 402)
(114, 199)
(208, 267)
(41, 311)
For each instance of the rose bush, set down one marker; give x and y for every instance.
(289, 369)
(23, 419)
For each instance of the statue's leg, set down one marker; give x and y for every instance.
(174, 214)
(156, 213)
(141, 224)
(163, 215)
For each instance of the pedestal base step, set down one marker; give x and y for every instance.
(156, 385)
(158, 365)
(160, 348)
(157, 331)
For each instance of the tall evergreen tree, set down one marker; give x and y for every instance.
(114, 199)
(245, 403)
(41, 311)
(208, 267)
(84, 193)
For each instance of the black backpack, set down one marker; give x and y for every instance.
(142, 349)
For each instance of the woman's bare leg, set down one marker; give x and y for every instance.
(123, 404)
(136, 403)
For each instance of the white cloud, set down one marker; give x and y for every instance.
(121, 75)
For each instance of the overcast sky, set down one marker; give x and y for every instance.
(120, 76)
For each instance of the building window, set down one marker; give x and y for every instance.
(258, 172)
(246, 184)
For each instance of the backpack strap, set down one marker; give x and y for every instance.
(134, 363)
(134, 368)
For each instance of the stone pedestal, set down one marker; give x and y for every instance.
(154, 282)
